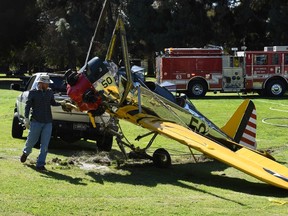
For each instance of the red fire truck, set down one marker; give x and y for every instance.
(198, 70)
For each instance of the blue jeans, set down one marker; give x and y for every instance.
(38, 129)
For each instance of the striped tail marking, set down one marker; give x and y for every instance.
(249, 135)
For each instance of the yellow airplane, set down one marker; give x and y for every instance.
(99, 87)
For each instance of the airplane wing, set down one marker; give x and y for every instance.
(243, 159)
(99, 84)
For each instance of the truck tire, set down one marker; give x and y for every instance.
(275, 88)
(17, 129)
(104, 142)
(197, 88)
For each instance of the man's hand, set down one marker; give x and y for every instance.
(67, 106)
(27, 123)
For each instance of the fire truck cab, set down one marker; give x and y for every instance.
(198, 70)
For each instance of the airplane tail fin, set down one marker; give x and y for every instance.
(242, 125)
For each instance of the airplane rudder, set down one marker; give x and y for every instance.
(242, 125)
(248, 137)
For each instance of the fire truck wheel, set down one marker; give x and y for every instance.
(197, 88)
(275, 88)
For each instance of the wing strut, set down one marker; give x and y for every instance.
(195, 159)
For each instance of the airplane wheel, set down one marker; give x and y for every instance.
(161, 158)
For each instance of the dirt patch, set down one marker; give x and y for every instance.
(88, 160)
(106, 162)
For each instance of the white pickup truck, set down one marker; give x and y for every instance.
(69, 126)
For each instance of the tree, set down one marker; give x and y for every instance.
(69, 26)
(250, 23)
(222, 20)
(155, 25)
(277, 22)
(18, 21)
(57, 33)
(169, 23)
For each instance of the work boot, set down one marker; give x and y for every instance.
(41, 168)
(23, 157)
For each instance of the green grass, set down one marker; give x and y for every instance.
(138, 188)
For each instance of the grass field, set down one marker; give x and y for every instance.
(79, 183)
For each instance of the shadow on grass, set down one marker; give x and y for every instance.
(59, 147)
(182, 175)
(58, 176)
(188, 175)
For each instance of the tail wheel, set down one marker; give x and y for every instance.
(197, 88)
(161, 158)
(17, 129)
(276, 88)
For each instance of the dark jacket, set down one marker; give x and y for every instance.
(39, 102)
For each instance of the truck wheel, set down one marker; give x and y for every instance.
(17, 129)
(275, 88)
(104, 142)
(161, 158)
(197, 88)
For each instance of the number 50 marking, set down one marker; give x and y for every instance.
(107, 82)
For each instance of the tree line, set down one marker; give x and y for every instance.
(55, 34)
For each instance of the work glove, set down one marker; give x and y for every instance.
(27, 123)
(67, 106)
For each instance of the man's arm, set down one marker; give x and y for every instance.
(66, 105)
(52, 101)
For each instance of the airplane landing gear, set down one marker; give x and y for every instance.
(161, 158)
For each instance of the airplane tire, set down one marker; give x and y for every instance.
(161, 158)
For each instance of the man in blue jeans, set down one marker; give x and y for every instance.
(40, 123)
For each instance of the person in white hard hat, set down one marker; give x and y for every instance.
(38, 107)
